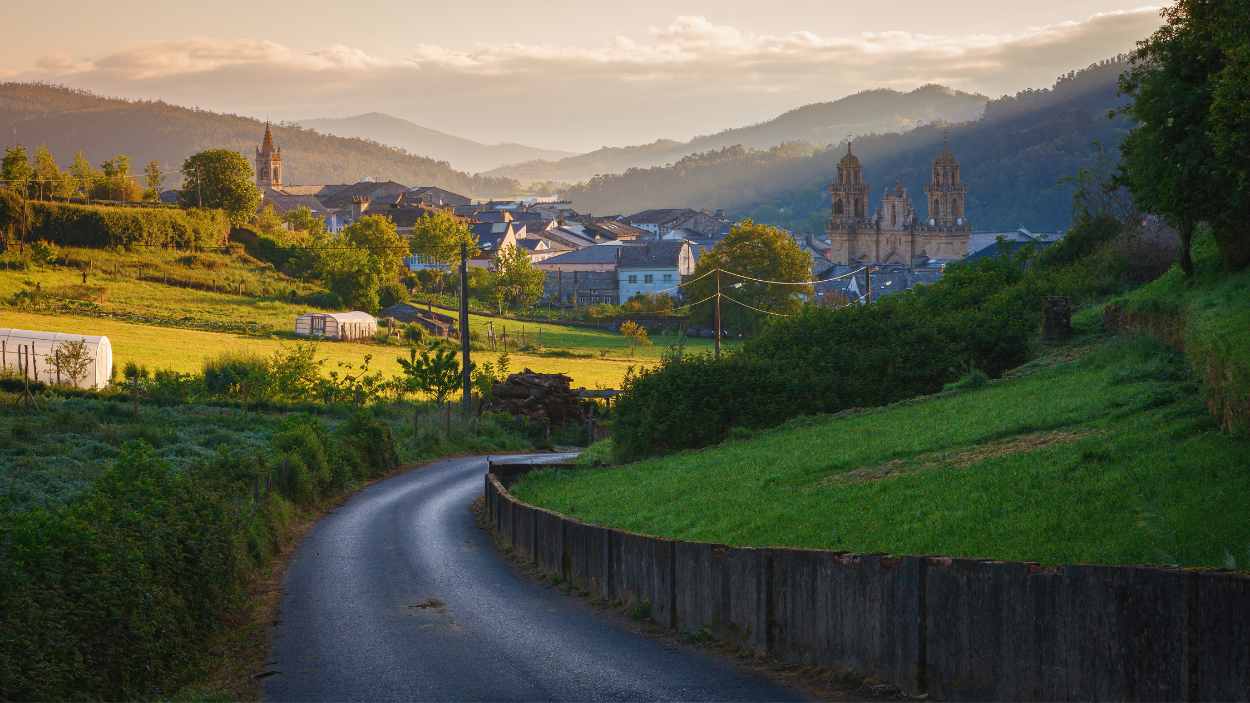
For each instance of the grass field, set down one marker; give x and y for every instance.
(1099, 453)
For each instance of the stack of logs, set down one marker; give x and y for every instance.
(542, 397)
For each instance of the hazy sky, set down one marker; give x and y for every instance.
(560, 74)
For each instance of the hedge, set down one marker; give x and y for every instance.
(112, 595)
(101, 226)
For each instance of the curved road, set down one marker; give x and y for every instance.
(399, 595)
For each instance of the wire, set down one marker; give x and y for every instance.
(795, 283)
(686, 283)
(751, 307)
(690, 305)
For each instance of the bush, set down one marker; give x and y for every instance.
(392, 292)
(237, 375)
(102, 226)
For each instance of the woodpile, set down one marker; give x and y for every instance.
(539, 397)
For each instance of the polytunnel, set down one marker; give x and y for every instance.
(33, 354)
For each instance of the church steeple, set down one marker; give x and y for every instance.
(268, 162)
(947, 194)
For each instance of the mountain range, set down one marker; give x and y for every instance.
(461, 153)
(818, 124)
(1015, 160)
(68, 120)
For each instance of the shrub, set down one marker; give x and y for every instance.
(392, 292)
(101, 226)
(237, 375)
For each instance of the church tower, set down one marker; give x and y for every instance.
(849, 221)
(268, 162)
(946, 193)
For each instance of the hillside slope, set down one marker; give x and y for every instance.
(69, 120)
(461, 153)
(819, 124)
(1013, 159)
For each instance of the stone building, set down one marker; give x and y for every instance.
(268, 162)
(895, 234)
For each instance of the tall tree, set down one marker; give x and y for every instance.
(758, 251)
(16, 218)
(376, 235)
(15, 169)
(220, 178)
(153, 179)
(438, 237)
(303, 219)
(1171, 162)
(83, 174)
(1230, 132)
(519, 282)
(49, 180)
(116, 182)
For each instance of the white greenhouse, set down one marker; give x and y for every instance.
(336, 325)
(35, 355)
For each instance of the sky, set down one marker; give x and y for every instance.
(558, 74)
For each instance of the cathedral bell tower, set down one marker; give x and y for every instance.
(268, 162)
(849, 193)
(947, 195)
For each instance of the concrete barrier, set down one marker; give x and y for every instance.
(952, 629)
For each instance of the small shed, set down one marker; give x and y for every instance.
(34, 355)
(336, 325)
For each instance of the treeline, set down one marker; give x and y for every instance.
(67, 120)
(1014, 159)
(105, 226)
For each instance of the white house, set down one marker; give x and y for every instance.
(655, 267)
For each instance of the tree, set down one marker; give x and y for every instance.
(70, 361)
(267, 221)
(519, 282)
(353, 275)
(154, 179)
(16, 218)
(484, 377)
(82, 174)
(303, 219)
(758, 251)
(15, 170)
(437, 375)
(636, 334)
(376, 235)
(1170, 159)
(1230, 132)
(220, 178)
(49, 180)
(438, 236)
(116, 182)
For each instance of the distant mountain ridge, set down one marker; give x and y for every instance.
(461, 153)
(67, 120)
(1014, 159)
(817, 124)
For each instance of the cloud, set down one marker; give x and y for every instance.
(690, 76)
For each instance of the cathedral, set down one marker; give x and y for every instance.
(268, 162)
(895, 234)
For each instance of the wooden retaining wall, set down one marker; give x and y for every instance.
(953, 629)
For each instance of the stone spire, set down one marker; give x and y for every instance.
(268, 162)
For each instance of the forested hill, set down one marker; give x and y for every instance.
(68, 120)
(819, 124)
(1012, 158)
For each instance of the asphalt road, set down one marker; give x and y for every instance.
(398, 595)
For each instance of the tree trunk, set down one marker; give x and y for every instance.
(447, 415)
(1187, 238)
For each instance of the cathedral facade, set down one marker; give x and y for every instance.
(895, 234)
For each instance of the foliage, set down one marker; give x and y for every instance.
(302, 219)
(758, 251)
(435, 373)
(115, 181)
(519, 283)
(352, 383)
(105, 226)
(439, 235)
(15, 170)
(1170, 159)
(153, 179)
(70, 361)
(221, 179)
(635, 333)
(376, 235)
(267, 222)
(49, 180)
(16, 216)
(484, 376)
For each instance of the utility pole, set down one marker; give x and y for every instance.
(717, 314)
(868, 281)
(467, 401)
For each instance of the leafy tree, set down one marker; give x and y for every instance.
(376, 235)
(484, 377)
(519, 283)
(49, 180)
(116, 182)
(352, 275)
(220, 178)
(268, 222)
(1230, 132)
(438, 237)
(16, 218)
(758, 251)
(82, 173)
(15, 170)
(636, 334)
(303, 219)
(70, 361)
(153, 178)
(1170, 159)
(436, 374)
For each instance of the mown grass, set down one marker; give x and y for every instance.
(160, 347)
(1102, 454)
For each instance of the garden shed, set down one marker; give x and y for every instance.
(56, 357)
(336, 325)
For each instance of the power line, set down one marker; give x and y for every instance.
(751, 307)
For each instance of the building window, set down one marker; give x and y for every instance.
(668, 278)
(633, 278)
(648, 278)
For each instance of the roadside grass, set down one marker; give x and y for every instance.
(185, 350)
(1100, 452)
